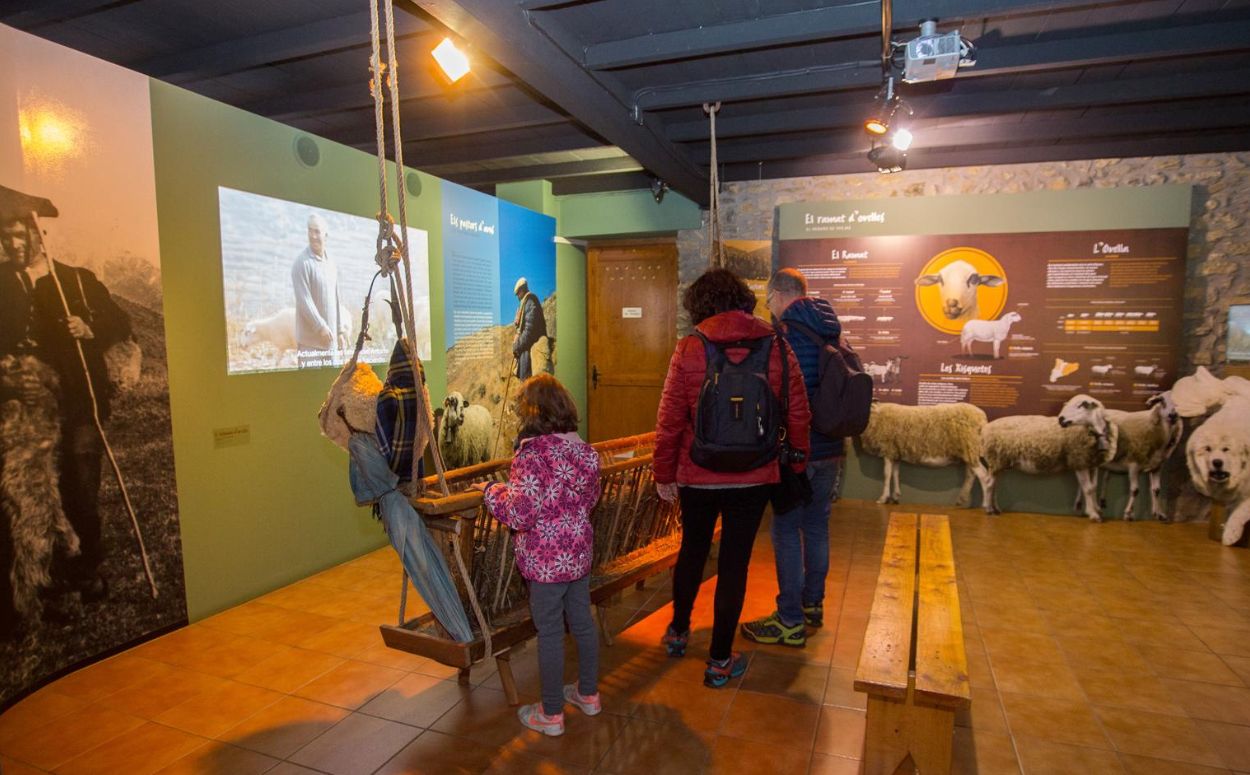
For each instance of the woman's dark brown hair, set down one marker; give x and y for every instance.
(717, 291)
(544, 406)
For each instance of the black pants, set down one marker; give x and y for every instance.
(741, 510)
(81, 455)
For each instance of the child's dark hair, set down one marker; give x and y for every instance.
(544, 406)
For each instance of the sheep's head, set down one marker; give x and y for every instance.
(247, 335)
(958, 282)
(1165, 408)
(453, 411)
(1011, 317)
(1088, 411)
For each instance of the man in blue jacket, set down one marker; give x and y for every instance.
(801, 536)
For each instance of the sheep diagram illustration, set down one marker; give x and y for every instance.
(958, 282)
(30, 438)
(994, 331)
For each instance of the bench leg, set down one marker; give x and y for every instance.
(601, 613)
(504, 662)
(463, 677)
(898, 729)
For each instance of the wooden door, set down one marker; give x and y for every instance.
(631, 309)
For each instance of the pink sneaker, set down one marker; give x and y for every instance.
(533, 717)
(590, 705)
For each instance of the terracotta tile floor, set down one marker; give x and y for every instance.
(1092, 649)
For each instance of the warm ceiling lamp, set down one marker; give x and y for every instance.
(453, 61)
(876, 126)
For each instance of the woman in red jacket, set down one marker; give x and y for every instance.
(720, 306)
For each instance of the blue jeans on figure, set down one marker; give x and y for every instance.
(801, 544)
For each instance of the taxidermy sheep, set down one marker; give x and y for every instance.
(1080, 439)
(933, 436)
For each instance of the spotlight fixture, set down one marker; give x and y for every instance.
(453, 62)
(876, 126)
(888, 158)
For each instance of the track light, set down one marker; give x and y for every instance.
(876, 126)
(658, 189)
(453, 62)
(888, 158)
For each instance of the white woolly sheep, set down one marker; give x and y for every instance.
(1147, 439)
(1102, 369)
(1147, 371)
(30, 439)
(885, 372)
(958, 282)
(1062, 369)
(1080, 439)
(1218, 457)
(987, 331)
(278, 329)
(464, 432)
(933, 436)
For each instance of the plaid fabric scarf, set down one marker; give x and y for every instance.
(399, 403)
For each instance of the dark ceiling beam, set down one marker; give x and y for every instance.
(513, 40)
(55, 11)
(1120, 148)
(441, 125)
(543, 5)
(354, 96)
(545, 171)
(238, 54)
(1027, 131)
(594, 184)
(499, 145)
(1121, 92)
(1005, 58)
(802, 27)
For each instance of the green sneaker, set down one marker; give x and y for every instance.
(814, 615)
(771, 630)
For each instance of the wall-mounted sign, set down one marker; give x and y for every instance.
(631, 312)
(234, 436)
(1037, 298)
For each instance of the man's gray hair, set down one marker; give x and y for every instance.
(788, 281)
(316, 220)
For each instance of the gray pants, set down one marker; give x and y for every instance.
(549, 605)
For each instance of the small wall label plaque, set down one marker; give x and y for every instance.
(234, 436)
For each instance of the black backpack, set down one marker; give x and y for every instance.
(843, 397)
(738, 418)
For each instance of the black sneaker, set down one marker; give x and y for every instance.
(814, 615)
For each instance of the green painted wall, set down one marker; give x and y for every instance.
(258, 516)
(626, 214)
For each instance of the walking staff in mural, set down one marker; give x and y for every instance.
(530, 325)
(319, 328)
(35, 331)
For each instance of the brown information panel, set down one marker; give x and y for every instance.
(1014, 323)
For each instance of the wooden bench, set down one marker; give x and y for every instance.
(912, 666)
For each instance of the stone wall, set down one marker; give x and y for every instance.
(1218, 272)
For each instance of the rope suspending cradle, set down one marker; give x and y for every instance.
(457, 555)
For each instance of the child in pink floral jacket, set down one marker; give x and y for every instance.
(552, 488)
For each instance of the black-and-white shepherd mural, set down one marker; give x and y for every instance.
(90, 554)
